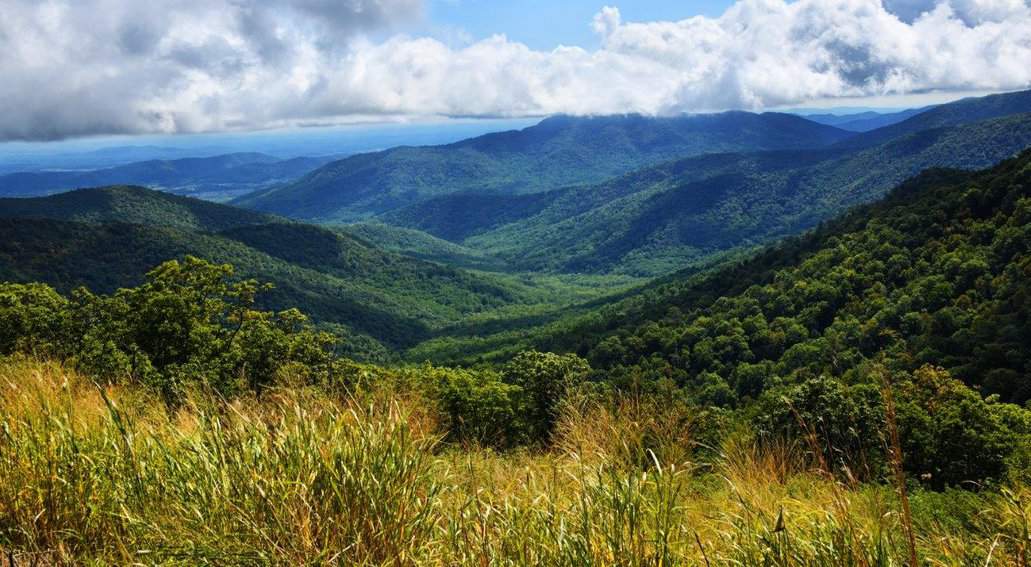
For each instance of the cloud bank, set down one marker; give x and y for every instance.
(84, 67)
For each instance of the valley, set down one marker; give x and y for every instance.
(563, 323)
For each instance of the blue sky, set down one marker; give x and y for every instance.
(545, 24)
(85, 68)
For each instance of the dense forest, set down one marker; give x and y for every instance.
(106, 239)
(936, 273)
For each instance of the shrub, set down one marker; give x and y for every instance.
(544, 378)
(480, 408)
(950, 434)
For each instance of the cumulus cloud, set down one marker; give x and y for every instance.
(108, 66)
(81, 67)
(972, 12)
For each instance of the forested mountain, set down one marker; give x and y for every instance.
(965, 111)
(419, 244)
(107, 238)
(559, 151)
(864, 121)
(663, 218)
(937, 273)
(133, 205)
(217, 178)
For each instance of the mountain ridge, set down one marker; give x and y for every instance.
(560, 151)
(217, 177)
(335, 276)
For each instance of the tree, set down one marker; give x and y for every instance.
(544, 379)
(32, 319)
(950, 434)
(190, 321)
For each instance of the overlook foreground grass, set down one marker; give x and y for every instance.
(301, 476)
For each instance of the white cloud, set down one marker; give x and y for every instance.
(972, 12)
(107, 66)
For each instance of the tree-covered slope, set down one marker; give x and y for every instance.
(937, 273)
(107, 238)
(218, 177)
(133, 205)
(965, 111)
(419, 244)
(659, 220)
(463, 217)
(557, 152)
(458, 216)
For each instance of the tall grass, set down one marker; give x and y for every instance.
(299, 477)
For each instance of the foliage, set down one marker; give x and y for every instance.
(951, 435)
(544, 378)
(935, 274)
(189, 322)
(842, 424)
(31, 318)
(518, 405)
(71, 240)
(480, 408)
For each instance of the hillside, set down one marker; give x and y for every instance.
(965, 111)
(217, 178)
(936, 273)
(510, 215)
(559, 151)
(132, 205)
(419, 244)
(864, 121)
(107, 238)
(660, 219)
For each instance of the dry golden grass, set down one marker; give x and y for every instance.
(298, 477)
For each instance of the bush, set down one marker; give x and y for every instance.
(544, 378)
(842, 422)
(480, 408)
(950, 434)
(190, 321)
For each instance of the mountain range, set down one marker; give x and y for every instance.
(601, 195)
(864, 121)
(934, 273)
(216, 178)
(560, 151)
(508, 230)
(107, 238)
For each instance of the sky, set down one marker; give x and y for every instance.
(85, 68)
(544, 24)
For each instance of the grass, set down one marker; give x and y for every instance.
(106, 476)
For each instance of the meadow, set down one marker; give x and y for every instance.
(304, 475)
